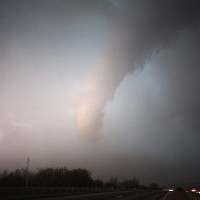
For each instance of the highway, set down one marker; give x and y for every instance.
(131, 195)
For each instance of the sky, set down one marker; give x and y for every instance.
(107, 85)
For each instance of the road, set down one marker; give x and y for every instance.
(131, 195)
(175, 196)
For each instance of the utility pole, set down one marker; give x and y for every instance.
(27, 171)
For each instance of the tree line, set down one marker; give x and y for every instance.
(63, 177)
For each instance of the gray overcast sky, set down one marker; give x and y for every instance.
(108, 85)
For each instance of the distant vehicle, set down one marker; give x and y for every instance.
(168, 190)
(193, 190)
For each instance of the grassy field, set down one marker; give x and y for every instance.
(193, 196)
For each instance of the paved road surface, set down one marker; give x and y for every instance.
(158, 195)
(114, 196)
(175, 196)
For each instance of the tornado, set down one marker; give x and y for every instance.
(139, 29)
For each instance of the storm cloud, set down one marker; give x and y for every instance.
(108, 85)
(140, 29)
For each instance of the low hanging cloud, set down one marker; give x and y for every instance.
(140, 29)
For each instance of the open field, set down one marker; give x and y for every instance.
(193, 196)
